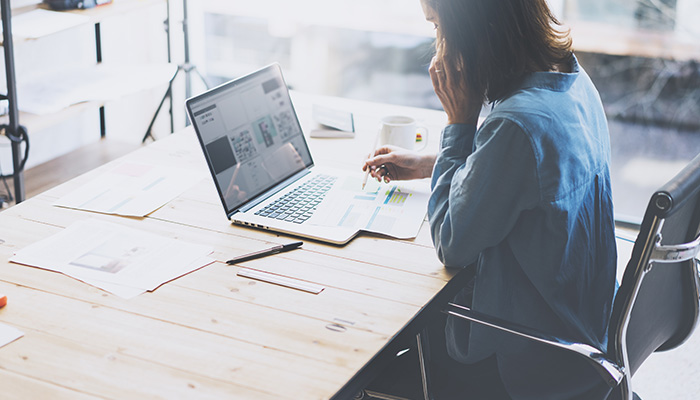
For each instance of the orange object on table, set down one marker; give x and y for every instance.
(3, 300)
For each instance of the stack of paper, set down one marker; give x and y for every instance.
(120, 260)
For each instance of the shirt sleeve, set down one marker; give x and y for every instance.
(481, 183)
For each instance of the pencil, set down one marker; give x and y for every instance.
(374, 149)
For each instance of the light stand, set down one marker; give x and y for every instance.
(187, 67)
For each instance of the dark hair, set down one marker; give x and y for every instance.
(496, 43)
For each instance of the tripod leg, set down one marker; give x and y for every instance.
(199, 74)
(168, 93)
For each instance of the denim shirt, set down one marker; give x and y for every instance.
(527, 197)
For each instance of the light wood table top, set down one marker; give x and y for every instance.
(212, 334)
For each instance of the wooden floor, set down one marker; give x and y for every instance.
(61, 169)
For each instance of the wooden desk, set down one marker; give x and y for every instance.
(212, 334)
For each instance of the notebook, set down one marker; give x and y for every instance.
(265, 175)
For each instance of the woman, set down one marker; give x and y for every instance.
(525, 197)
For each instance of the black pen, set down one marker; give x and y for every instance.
(264, 253)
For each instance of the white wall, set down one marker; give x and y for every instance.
(136, 38)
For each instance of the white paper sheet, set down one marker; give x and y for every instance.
(37, 23)
(131, 189)
(43, 93)
(396, 209)
(121, 260)
(129, 292)
(9, 334)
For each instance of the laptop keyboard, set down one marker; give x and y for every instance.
(299, 205)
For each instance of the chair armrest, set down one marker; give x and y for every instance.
(610, 371)
(675, 253)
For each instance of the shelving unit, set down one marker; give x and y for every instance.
(12, 128)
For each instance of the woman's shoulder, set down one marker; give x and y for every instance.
(521, 112)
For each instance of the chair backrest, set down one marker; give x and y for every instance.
(656, 307)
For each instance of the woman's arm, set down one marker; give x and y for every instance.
(394, 163)
(477, 196)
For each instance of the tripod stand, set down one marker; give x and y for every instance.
(186, 67)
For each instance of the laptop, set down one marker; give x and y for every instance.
(257, 155)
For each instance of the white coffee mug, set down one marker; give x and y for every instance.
(401, 131)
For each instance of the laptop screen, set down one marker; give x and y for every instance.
(250, 134)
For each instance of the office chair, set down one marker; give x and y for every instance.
(656, 307)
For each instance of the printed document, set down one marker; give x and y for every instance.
(131, 189)
(396, 209)
(120, 260)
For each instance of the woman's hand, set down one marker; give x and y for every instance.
(394, 163)
(461, 106)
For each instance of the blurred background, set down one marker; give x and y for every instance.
(642, 55)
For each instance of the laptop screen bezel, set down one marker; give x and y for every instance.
(272, 69)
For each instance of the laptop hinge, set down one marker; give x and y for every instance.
(273, 191)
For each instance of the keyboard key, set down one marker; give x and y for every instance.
(298, 205)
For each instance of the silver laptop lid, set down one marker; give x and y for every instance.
(251, 136)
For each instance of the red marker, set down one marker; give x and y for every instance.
(3, 300)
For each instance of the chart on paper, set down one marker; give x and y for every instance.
(396, 197)
(392, 209)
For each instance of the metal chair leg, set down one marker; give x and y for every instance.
(423, 356)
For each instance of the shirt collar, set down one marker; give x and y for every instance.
(555, 81)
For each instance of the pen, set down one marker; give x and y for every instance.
(374, 149)
(364, 180)
(264, 253)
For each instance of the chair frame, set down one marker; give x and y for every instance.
(653, 252)
(613, 373)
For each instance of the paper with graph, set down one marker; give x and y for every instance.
(396, 209)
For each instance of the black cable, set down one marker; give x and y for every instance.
(22, 137)
(6, 198)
